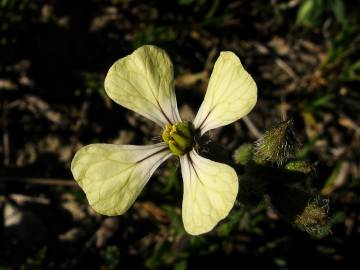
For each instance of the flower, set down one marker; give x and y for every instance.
(112, 176)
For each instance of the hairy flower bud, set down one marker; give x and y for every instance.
(314, 217)
(277, 144)
(300, 208)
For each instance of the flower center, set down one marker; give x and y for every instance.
(179, 137)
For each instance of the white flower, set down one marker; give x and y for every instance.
(112, 176)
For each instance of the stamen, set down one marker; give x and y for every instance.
(179, 137)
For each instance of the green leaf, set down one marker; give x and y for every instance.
(310, 12)
(338, 9)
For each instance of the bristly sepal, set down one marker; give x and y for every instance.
(277, 145)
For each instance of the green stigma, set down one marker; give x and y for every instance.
(179, 137)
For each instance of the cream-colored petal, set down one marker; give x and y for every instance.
(210, 190)
(144, 82)
(112, 176)
(231, 94)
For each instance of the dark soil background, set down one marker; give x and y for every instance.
(54, 55)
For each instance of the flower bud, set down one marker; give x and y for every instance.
(301, 209)
(296, 171)
(314, 217)
(300, 166)
(243, 154)
(277, 145)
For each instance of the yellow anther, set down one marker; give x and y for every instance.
(168, 127)
(173, 129)
(179, 137)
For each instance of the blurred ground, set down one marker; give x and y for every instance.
(304, 56)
